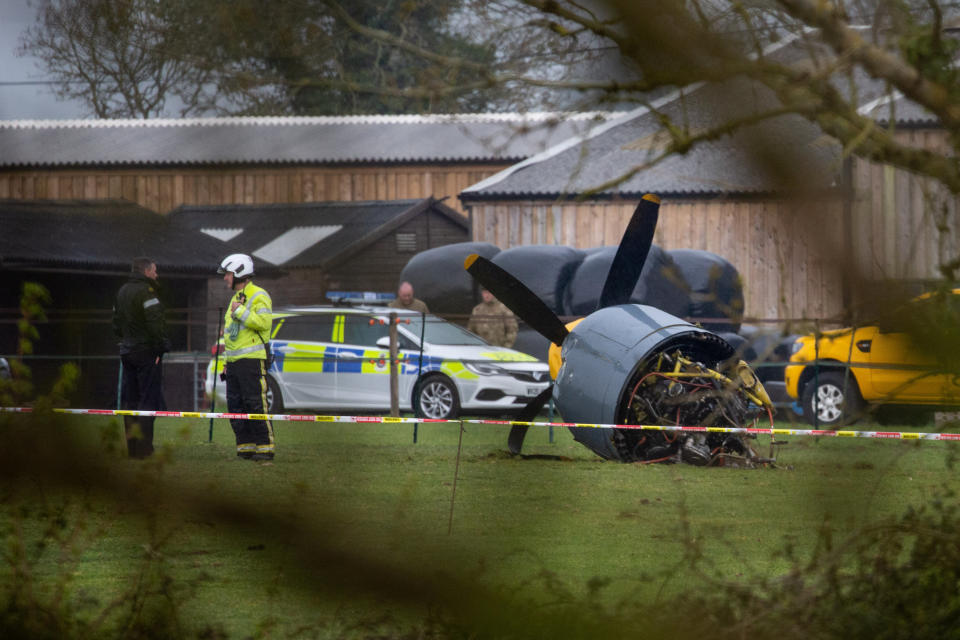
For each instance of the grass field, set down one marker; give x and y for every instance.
(356, 522)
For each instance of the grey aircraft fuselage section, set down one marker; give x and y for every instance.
(601, 356)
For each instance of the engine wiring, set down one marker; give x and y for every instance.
(676, 389)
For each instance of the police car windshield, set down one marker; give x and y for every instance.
(439, 331)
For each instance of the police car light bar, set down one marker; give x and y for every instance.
(359, 297)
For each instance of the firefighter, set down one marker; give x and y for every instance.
(246, 334)
(138, 320)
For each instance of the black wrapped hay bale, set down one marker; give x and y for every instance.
(544, 269)
(439, 279)
(716, 290)
(659, 285)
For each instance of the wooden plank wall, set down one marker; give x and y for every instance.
(577, 225)
(162, 190)
(785, 253)
(904, 226)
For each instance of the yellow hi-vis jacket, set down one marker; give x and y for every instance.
(247, 329)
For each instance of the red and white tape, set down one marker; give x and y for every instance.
(884, 435)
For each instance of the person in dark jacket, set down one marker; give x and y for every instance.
(138, 320)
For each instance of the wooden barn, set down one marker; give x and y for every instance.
(163, 164)
(812, 233)
(317, 247)
(268, 186)
(81, 252)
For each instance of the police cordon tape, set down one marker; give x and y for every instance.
(885, 435)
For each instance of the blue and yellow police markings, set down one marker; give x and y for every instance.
(375, 361)
(303, 357)
(364, 361)
(452, 368)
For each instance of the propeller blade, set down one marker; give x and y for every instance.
(632, 253)
(517, 297)
(519, 431)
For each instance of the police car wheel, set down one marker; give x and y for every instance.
(437, 398)
(274, 397)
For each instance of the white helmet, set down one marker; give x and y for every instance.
(239, 264)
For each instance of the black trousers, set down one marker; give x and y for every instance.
(247, 393)
(141, 389)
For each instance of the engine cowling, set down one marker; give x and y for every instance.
(604, 357)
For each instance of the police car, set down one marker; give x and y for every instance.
(337, 359)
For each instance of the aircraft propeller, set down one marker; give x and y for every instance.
(517, 297)
(618, 286)
(519, 431)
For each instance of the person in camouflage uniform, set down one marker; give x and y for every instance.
(493, 322)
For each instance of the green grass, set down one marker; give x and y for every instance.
(367, 491)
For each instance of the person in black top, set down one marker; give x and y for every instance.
(138, 320)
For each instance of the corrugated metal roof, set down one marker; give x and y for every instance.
(901, 109)
(326, 140)
(728, 164)
(779, 153)
(309, 234)
(99, 234)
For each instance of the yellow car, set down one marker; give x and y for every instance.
(909, 359)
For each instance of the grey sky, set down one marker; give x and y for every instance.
(25, 102)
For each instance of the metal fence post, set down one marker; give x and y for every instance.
(120, 385)
(394, 384)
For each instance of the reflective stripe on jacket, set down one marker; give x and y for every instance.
(138, 317)
(247, 329)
